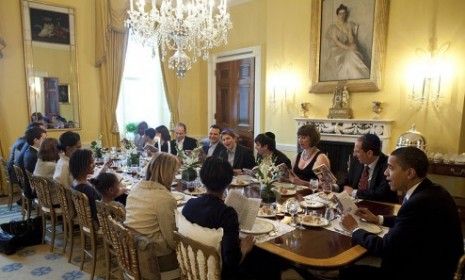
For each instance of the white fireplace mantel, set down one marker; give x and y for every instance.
(348, 130)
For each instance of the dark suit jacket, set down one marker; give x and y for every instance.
(378, 189)
(30, 159)
(17, 147)
(218, 149)
(188, 145)
(425, 239)
(243, 157)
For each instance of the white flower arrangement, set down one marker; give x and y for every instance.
(190, 159)
(266, 171)
(96, 147)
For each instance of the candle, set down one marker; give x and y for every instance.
(132, 4)
(169, 147)
(159, 144)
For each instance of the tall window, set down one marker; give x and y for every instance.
(142, 95)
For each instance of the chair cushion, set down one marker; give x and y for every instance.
(207, 236)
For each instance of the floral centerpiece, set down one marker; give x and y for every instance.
(131, 151)
(267, 173)
(96, 147)
(131, 129)
(190, 161)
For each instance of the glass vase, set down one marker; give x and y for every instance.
(267, 194)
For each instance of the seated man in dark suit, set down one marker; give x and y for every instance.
(424, 240)
(182, 142)
(34, 138)
(365, 178)
(213, 146)
(238, 156)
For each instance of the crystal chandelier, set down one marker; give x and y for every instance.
(188, 30)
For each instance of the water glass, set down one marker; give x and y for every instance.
(292, 207)
(314, 185)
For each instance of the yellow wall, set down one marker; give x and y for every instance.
(286, 27)
(13, 103)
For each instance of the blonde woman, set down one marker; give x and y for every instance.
(150, 211)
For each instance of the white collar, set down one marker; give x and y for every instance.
(411, 190)
(35, 148)
(373, 164)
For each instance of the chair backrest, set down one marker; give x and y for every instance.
(81, 204)
(42, 188)
(126, 249)
(105, 210)
(19, 176)
(66, 201)
(459, 275)
(4, 176)
(196, 260)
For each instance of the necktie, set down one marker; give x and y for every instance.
(363, 183)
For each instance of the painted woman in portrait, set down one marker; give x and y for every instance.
(345, 60)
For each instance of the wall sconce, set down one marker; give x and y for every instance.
(283, 83)
(427, 73)
(2, 46)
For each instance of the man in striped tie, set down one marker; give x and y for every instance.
(365, 178)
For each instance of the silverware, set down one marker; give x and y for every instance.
(342, 231)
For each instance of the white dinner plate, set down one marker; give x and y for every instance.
(260, 227)
(285, 192)
(314, 221)
(311, 204)
(178, 195)
(239, 182)
(267, 213)
(196, 191)
(284, 185)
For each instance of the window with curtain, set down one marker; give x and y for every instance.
(142, 95)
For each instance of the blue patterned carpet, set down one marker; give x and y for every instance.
(37, 262)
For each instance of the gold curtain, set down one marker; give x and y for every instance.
(111, 41)
(171, 91)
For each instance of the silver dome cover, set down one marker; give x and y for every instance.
(412, 137)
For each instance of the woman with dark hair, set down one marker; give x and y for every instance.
(81, 164)
(238, 156)
(310, 156)
(150, 211)
(109, 187)
(67, 143)
(47, 158)
(46, 162)
(265, 144)
(139, 139)
(163, 134)
(239, 257)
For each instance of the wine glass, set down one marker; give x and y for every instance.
(314, 185)
(292, 207)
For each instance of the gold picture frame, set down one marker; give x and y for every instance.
(326, 68)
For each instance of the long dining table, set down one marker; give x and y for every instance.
(319, 247)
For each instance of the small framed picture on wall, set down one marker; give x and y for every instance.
(63, 93)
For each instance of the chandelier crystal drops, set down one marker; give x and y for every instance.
(188, 30)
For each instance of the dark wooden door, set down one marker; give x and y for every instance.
(235, 91)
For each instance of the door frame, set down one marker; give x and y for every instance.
(249, 52)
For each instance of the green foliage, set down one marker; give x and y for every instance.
(131, 127)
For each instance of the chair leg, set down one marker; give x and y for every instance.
(44, 228)
(83, 247)
(71, 237)
(107, 259)
(29, 208)
(53, 218)
(23, 206)
(94, 256)
(10, 202)
(65, 235)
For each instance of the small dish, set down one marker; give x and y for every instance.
(314, 221)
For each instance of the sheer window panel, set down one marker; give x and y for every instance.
(142, 95)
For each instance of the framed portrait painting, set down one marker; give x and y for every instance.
(63, 93)
(348, 41)
(49, 26)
